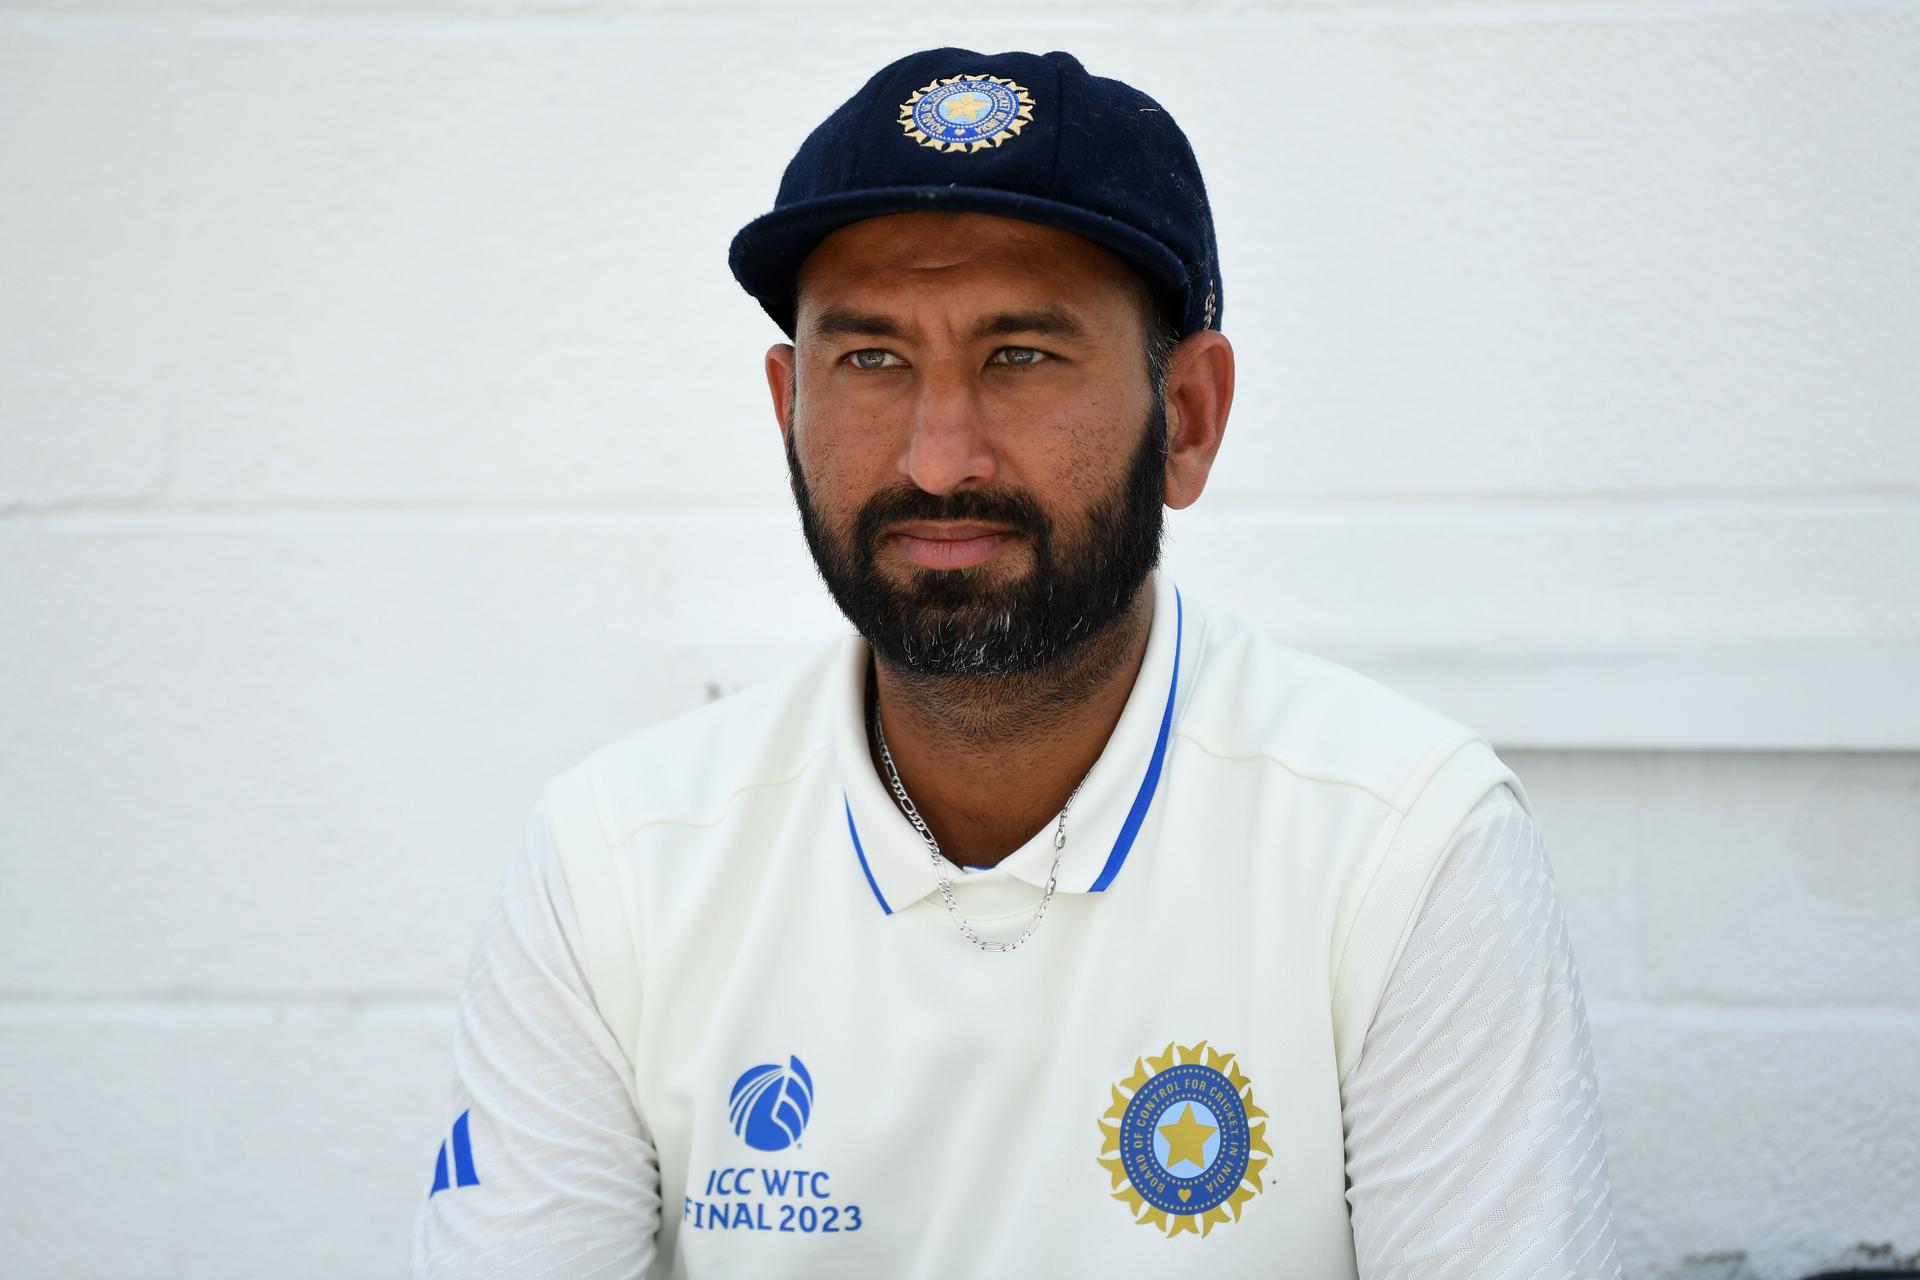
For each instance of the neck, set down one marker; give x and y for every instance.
(990, 760)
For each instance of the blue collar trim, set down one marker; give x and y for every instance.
(1123, 843)
(862, 855)
(1142, 800)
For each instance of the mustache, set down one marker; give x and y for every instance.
(908, 502)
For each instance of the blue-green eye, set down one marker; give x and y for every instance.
(1019, 357)
(871, 358)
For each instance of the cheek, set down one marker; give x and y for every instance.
(844, 464)
(1083, 458)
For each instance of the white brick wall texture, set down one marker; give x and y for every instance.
(380, 430)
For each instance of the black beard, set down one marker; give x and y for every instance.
(959, 622)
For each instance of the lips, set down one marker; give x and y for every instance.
(950, 544)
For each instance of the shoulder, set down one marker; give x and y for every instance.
(1256, 698)
(688, 769)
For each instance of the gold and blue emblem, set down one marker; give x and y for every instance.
(1180, 1137)
(966, 113)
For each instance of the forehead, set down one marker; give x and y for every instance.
(961, 260)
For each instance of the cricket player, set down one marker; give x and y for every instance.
(1053, 923)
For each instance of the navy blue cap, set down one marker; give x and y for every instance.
(1023, 135)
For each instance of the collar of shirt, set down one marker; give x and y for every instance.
(1107, 815)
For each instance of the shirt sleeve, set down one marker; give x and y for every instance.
(547, 1168)
(1472, 1117)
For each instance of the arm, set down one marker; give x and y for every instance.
(553, 1172)
(1474, 1145)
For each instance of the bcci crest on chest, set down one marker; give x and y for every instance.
(1180, 1137)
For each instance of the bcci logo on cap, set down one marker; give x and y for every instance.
(966, 113)
(771, 1103)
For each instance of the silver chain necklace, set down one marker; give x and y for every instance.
(940, 871)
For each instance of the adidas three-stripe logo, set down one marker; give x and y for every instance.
(463, 1173)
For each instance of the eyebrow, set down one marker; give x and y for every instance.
(1052, 321)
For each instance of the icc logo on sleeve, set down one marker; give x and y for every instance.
(770, 1105)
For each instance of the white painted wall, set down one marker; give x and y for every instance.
(380, 430)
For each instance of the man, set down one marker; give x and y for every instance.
(1052, 924)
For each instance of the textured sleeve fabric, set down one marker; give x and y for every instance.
(1472, 1117)
(547, 1169)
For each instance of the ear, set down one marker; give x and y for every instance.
(1199, 393)
(779, 378)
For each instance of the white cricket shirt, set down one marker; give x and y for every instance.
(720, 1022)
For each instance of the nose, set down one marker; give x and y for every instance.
(946, 447)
